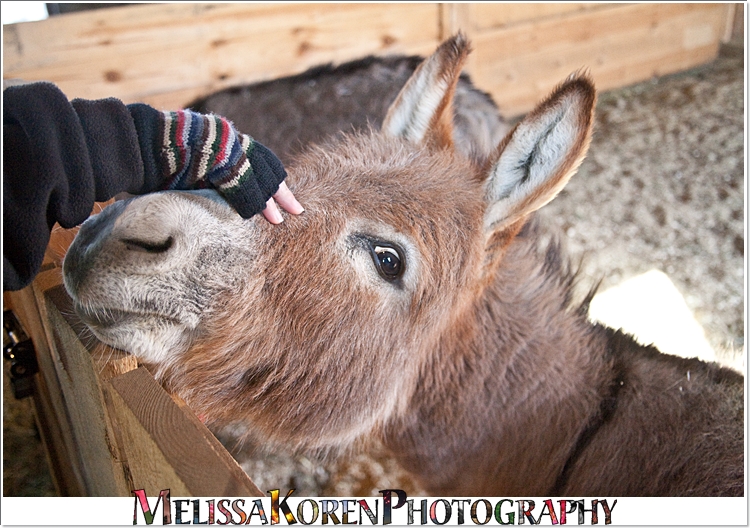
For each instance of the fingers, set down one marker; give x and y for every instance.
(286, 200)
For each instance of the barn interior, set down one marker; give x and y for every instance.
(656, 211)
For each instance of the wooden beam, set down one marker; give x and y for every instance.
(472, 17)
(142, 52)
(734, 12)
(49, 407)
(108, 425)
(620, 45)
(78, 371)
(168, 447)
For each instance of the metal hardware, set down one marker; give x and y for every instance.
(19, 350)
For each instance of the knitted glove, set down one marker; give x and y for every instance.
(206, 151)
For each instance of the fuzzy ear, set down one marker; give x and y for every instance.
(422, 112)
(538, 157)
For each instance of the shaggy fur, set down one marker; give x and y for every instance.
(289, 113)
(473, 365)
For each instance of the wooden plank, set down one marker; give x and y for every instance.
(65, 478)
(128, 434)
(49, 405)
(620, 46)
(734, 13)
(145, 465)
(168, 447)
(490, 15)
(7, 301)
(139, 52)
(78, 371)
(455, 18)
(738, 29)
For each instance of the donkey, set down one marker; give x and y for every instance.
(412, 301)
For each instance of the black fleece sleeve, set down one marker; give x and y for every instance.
(58, 158)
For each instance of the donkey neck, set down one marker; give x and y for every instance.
(501, 403)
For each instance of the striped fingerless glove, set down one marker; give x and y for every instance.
(202, 151)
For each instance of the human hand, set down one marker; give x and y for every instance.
(206, 150)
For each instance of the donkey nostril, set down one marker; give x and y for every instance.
(149, 247)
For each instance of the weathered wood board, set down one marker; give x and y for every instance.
(519, 58)
(165, 443)
(170, 54)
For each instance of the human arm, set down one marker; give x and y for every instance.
(59, 157)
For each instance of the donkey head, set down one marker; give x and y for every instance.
(314, 330)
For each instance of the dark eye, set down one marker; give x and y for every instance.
(388, 261)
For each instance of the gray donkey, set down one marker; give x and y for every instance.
(289, 113)
(412, 301)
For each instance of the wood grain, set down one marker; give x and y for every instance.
(78, 375)
(113, 427)
(49, 405)
(141, 52)
(168, 447)
(168, 55)
(472, 17)
(621, 45)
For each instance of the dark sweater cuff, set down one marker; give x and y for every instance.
(112, 146)
(148, 124)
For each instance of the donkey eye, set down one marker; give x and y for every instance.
(388, 261)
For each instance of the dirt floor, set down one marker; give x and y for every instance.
(662, 189)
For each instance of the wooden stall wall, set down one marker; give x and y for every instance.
(523, 50)
(169, 54)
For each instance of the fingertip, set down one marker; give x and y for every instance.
(272, 213)
(294, 207)
(287, 200)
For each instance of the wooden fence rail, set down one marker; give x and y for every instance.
(108, 426)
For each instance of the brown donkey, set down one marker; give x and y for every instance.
(412, 301)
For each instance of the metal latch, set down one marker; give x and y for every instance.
(19, 350)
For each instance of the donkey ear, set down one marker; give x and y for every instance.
(537, 158)
(422, 112)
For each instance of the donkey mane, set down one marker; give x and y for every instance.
(558, 270)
